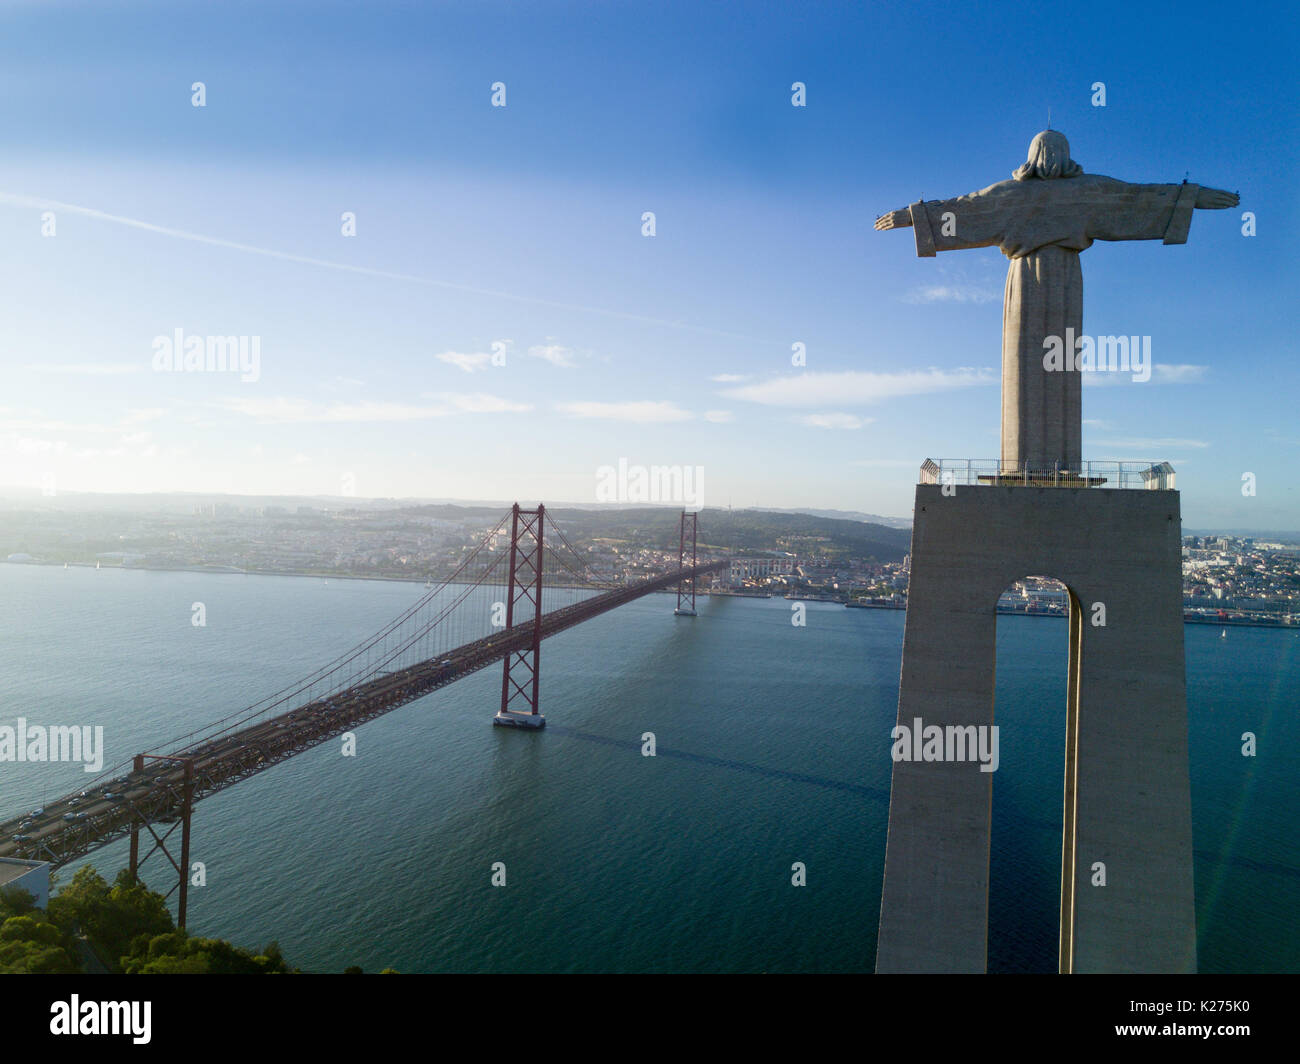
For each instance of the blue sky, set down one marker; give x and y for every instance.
(522, 225)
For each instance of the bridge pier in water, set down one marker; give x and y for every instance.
(686, 588)
(521, 672)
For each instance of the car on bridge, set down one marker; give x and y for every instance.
(22, 838)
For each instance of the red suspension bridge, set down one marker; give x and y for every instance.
(522, 583)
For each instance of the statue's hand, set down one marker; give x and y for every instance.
(1215, 199)
(896, 220)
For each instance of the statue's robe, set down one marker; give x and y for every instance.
(1041, 226)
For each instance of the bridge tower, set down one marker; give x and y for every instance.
(686, 588)
(181, 818)
(521, 672)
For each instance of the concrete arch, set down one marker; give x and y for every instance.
(1128, 790)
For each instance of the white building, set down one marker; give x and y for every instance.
(743, 569)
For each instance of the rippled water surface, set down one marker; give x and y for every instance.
(773, 748)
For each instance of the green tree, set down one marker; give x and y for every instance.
(177, 953)
(127, 925)
(110, 918)
(28, 941)
(14, 901)
(133, 910)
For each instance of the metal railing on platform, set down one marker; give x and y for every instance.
(993, 471)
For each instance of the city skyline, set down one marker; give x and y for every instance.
(521, 226)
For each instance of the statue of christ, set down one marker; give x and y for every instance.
(1041, 219)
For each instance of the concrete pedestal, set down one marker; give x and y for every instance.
(1127, 795)
(507, 719)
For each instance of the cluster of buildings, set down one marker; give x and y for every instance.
(846, 580)
(1240, 580)
(1227, 579)
(223, 537)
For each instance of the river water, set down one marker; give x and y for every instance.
(772, 748)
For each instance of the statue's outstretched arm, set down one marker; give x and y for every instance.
(1213, 199)
(895, 220)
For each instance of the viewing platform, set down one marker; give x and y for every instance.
(992, 471)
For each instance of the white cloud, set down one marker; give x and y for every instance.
(853, 386)
(480, 403)
(30, 445)
(470, 363)
(297, 411)
(719, 417)
(729, 378)
(951, 293)
(299, 459)
(644, 411)
(554, 354)
(1178, 374)
(29, 425)
(88, 369)
(289, 411)
(1161, 373)
(143, 414)
(1103, 380)
(835, 421)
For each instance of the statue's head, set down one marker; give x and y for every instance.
(1049, 156)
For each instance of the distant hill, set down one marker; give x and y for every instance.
(844, 515)
(24, 498)
(826, 533)
(749, 530)
(1251, 533)
(16, 497)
